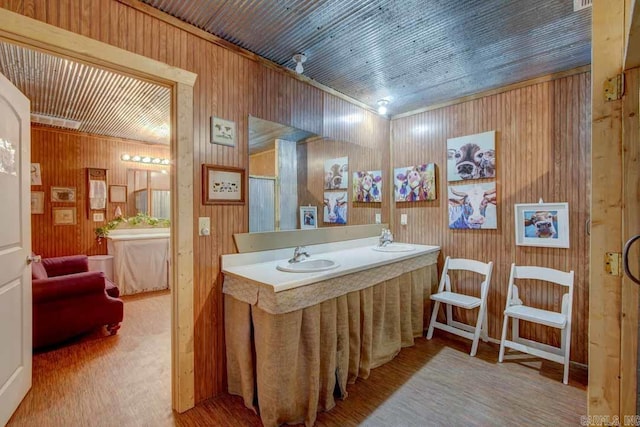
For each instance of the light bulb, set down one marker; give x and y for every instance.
(299, 68)
(136, 158)
(126, 157)
(382, 110)
(146, 159)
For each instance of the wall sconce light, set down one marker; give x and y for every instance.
(145, 159)
(382, 106)
(299, 58)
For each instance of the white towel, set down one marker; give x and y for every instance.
(97, 194)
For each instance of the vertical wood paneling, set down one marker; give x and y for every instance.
(63, 157)
(543, 146)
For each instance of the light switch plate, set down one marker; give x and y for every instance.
(378, 218)
(204, 226)
(403, 219)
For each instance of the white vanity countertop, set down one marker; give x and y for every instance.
(139, 234)
(352, 255)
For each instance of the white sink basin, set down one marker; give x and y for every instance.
(308, 266)
(394, 247)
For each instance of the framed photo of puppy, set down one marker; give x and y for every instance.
(542, 224)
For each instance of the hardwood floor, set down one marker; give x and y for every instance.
(125, 381)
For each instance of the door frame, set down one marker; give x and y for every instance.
(22, 30)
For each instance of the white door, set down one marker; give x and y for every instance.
(15, 247)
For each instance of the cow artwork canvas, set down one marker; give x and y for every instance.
(471, 157)
(542, 224)
(415, 183)
(367, 186)
(473, 206)
(336, 174)
(335, 207)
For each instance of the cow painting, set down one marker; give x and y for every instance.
(367, 186)
(415, 183)
(472, 206)
(471, 157)
(336, 173)
(335, 207)
(541, 224)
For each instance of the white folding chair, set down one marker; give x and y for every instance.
(516, 309)
(447, 296)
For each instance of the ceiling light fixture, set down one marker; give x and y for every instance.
(146, 159)
(299, 58)
(382, 106)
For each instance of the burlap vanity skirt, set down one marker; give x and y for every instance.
(295, 348)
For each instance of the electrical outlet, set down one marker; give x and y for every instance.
(378, 218)
(204, 226)
(403, 219)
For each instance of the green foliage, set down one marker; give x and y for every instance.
(140, 218)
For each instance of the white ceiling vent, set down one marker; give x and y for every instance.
(54, 121)
(581, 4)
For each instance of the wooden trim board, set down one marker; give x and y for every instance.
(36, 34)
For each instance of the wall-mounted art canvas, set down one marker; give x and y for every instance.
(222, 185)
(336, 173)
(223, 132)
(36, 176)
(542, 224)
(64, 216)
(335, 207)
(367, 186)
(473, 206)
(308, 217)
(37, 202)
(63, 194)
(415, 183)
(471, 157)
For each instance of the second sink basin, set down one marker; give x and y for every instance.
(394, 247)
(308, 266)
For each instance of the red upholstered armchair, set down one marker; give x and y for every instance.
(69, 300)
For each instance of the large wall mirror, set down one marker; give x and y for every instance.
(149, 193)
(291, 168)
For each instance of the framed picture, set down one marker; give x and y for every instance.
(335, 207)
(223, 132)
(64, 216)
(473, 207)
(542, 224)
(63, 194)
(37, 202)
(471, 157)
(36, 177)
(118, 193)
(98, 217)
(367, 186)
(222, 185)
(415, 183)
(336, 173)
(308, 217)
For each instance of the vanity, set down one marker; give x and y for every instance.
(141, 259)
(295, 339)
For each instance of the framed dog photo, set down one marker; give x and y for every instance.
(542, 224)
(308, 217)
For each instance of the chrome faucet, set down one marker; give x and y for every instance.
(298, 253)
(385, 237)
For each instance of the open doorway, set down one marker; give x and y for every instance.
(35, 34)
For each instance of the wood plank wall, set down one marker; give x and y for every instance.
(229, 86)
(64, 156)
(543, 151)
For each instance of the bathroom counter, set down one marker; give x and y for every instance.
(295, 340)
(353, 256)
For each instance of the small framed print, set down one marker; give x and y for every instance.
(222, 185)
(308, 217)
(36, 175)
(98, 217)
(64, 216)
(223, 132)
(37, 202)
(542, 224)
(63, 194)
(118, 193)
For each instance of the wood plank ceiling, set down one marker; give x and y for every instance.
(104, 102)
(413, 52)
